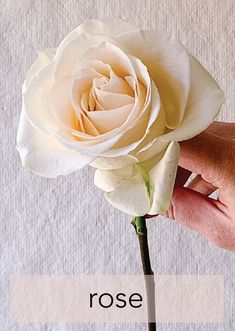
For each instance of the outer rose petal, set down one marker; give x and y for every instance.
(168, 64)
(162, 178)
(35, 100)
(110, 27)
(125, 191)
(137, 192)
(204, 103)
(109, 163)
(44, 58)
(43, 154)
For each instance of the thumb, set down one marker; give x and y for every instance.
(198, 212)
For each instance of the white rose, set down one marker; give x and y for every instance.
(120, 99)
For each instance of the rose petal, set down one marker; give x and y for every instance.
(143, 150)
(89, 147)
(150, 150)
(110, 100)
(100, 67)
(127, 192)
(131, 190)
(43, 154)
(132, 137)
(204, 103)
(35, 99)
(109, 163)
(109, 27)
(71, 53)
(60, 105)
(109, 120)
(106, 27)
(44, 58)
(117, 85)
(111, 54)
(136, 134)
(168, 64)
(79, 86)
(132, 126)
(162, 178)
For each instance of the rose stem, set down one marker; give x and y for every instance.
(139, 224)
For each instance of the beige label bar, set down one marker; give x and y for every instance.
(116, 299)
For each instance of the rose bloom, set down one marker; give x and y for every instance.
(119, 99)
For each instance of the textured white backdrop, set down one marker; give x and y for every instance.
(64, 226)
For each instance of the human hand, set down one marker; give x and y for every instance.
(211, 155)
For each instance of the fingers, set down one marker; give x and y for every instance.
(200, 185)
(222, 129)
(204, 215)
(182, 176)
(210, 156)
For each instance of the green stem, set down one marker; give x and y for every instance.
(139, 224)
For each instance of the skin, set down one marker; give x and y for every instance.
(211, 155)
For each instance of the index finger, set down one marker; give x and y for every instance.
(210, 156)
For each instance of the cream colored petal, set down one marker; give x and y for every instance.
(78, 90)
(109, 163)
(135, 117)
(103, 146)
(117, 85)
(157, 129)
(106, 27)
(135, 135)
(155, 147)
(73, 35)
(127, 193)
(110, 100)
(162, 179)
(71, 53)
(141, 104)
(155, 106)
(141, 71)
(110, 27)
(204, 103)
(100, 67)
(79, 87)
(168, 65)
(105, 121)
(104, 141)
(147, 99)
(89, 127)
(110, 54)
(43, 154)
(35, 99)
(89, 147)
(60, 105)
(131, 197)
(136, 193)
(203, 106)
(142, 86)
(107, 180)
(112, 134)
(44, 58)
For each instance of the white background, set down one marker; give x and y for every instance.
(64, 226)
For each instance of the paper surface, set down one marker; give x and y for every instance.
(65, 226)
